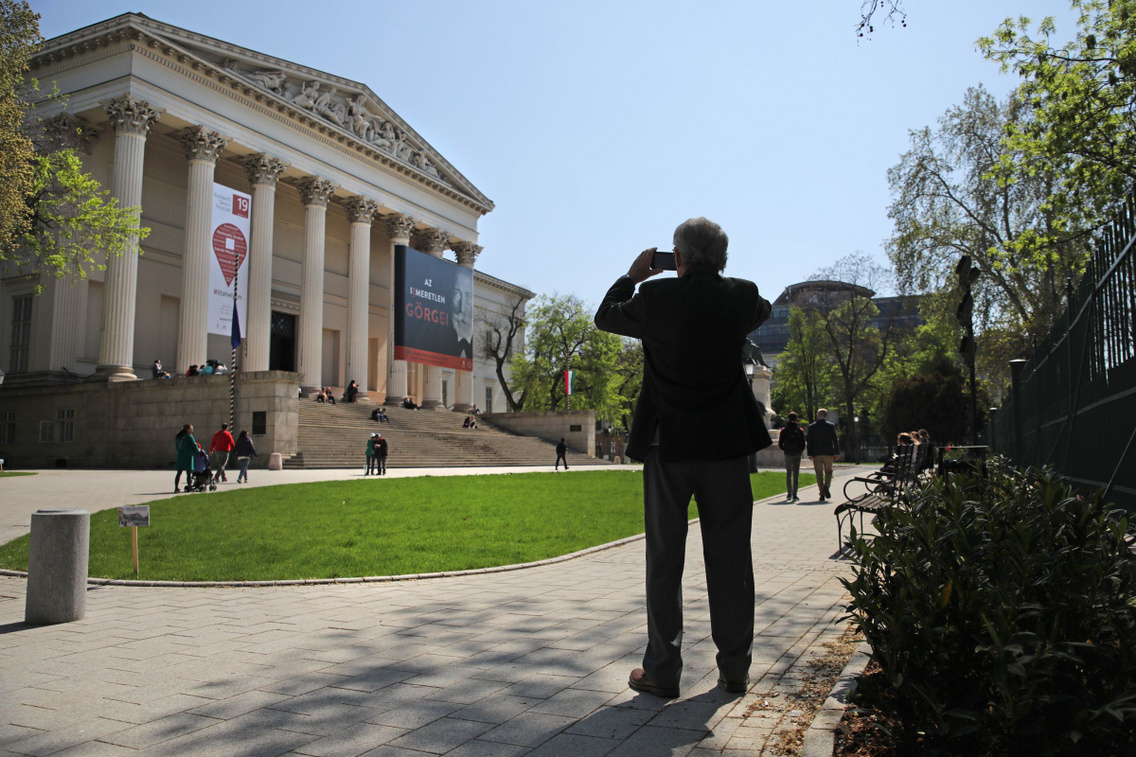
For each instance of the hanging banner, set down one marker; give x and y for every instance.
(228, 263)
(433, 316)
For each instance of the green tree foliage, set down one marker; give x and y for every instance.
(561, 335)
(19, 37)
(55, 220)
(1082, 100)
(73, 220)
(935, 400)
(948, 201)
(805, 371)
(629, 378)
(858, 347)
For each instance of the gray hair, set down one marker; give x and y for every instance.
(702, 244)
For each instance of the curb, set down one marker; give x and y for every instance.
(820, 738)
(358, 580)
(353, 580)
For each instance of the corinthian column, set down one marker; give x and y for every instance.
(433, 242)
(131, 119)
(263, 173)
(202, 147)
(68, 295)
(398, 227)
(360, 211)
(314, 192)
(467, 253)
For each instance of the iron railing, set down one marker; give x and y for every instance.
(1073, 404)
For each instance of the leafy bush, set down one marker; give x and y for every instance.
(1002, 613)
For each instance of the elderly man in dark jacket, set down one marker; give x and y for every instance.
(824, 448)
(694, 425)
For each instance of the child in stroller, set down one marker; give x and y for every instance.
(202, 477)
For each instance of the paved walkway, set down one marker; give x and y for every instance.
(528, 662)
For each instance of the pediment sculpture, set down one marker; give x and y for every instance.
(347, 112)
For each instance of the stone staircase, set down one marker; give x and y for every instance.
(335, 436)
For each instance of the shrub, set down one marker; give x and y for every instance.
(1001, 611)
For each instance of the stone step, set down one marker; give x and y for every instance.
(335, 436)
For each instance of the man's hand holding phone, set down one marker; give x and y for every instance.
(651, 262)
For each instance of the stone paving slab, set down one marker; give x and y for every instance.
(526, 662)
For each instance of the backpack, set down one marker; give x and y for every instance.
(792, 440)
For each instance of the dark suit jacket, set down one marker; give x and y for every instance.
(822, 438)
(695, 390)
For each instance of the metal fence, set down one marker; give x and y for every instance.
(1073, 404)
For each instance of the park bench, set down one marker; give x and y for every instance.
(882, 489)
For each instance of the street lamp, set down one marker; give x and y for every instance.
(749, 365)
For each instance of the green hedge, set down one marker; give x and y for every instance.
(1002, 613)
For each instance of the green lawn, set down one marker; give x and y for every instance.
(372, 527)
(13, 473)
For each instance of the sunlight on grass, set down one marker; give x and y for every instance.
(379, 527)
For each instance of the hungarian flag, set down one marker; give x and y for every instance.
(569, 379)
(236, 340)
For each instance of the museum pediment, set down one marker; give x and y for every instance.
(314, 97)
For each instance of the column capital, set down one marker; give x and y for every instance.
(201, 144)
(129, 115)
(68, 132)
(433, 241)
(316, 191)
(467, 252)
(399, 226)
(264, 169)
(361, 209)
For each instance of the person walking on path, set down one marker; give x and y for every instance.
(186, 447)
(220, 448)
(791, 440)
(823, 449)
(371, 454)
(695, 424)
(245, 450)
(381, 450)
(562, 454)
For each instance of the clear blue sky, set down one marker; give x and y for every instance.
(597, 127)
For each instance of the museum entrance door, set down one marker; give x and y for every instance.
(282, 345)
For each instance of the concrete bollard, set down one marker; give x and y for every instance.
(57, 566)
(275, 461)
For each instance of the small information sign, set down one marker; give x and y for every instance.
(134, 516)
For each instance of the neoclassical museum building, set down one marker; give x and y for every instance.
(335, 180)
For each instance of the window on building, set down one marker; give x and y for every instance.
(8, 427)
(46, 432)
(21, 341)
(259, 423)
(65, 425)
(489, 399)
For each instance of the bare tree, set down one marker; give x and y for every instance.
(871, 11)
(502, 337)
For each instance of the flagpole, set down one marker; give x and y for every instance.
(234, 341)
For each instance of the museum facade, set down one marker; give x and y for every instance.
(336, 180)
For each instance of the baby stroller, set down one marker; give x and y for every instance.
(202, 478)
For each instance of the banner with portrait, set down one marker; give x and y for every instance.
(433, 317)
(228, 262)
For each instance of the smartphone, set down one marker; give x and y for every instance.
(664, 260)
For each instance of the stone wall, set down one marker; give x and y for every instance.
(576, 427)
(131, 424)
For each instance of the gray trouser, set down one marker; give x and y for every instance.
(792, 473)
(725, 508)
(220, 460)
